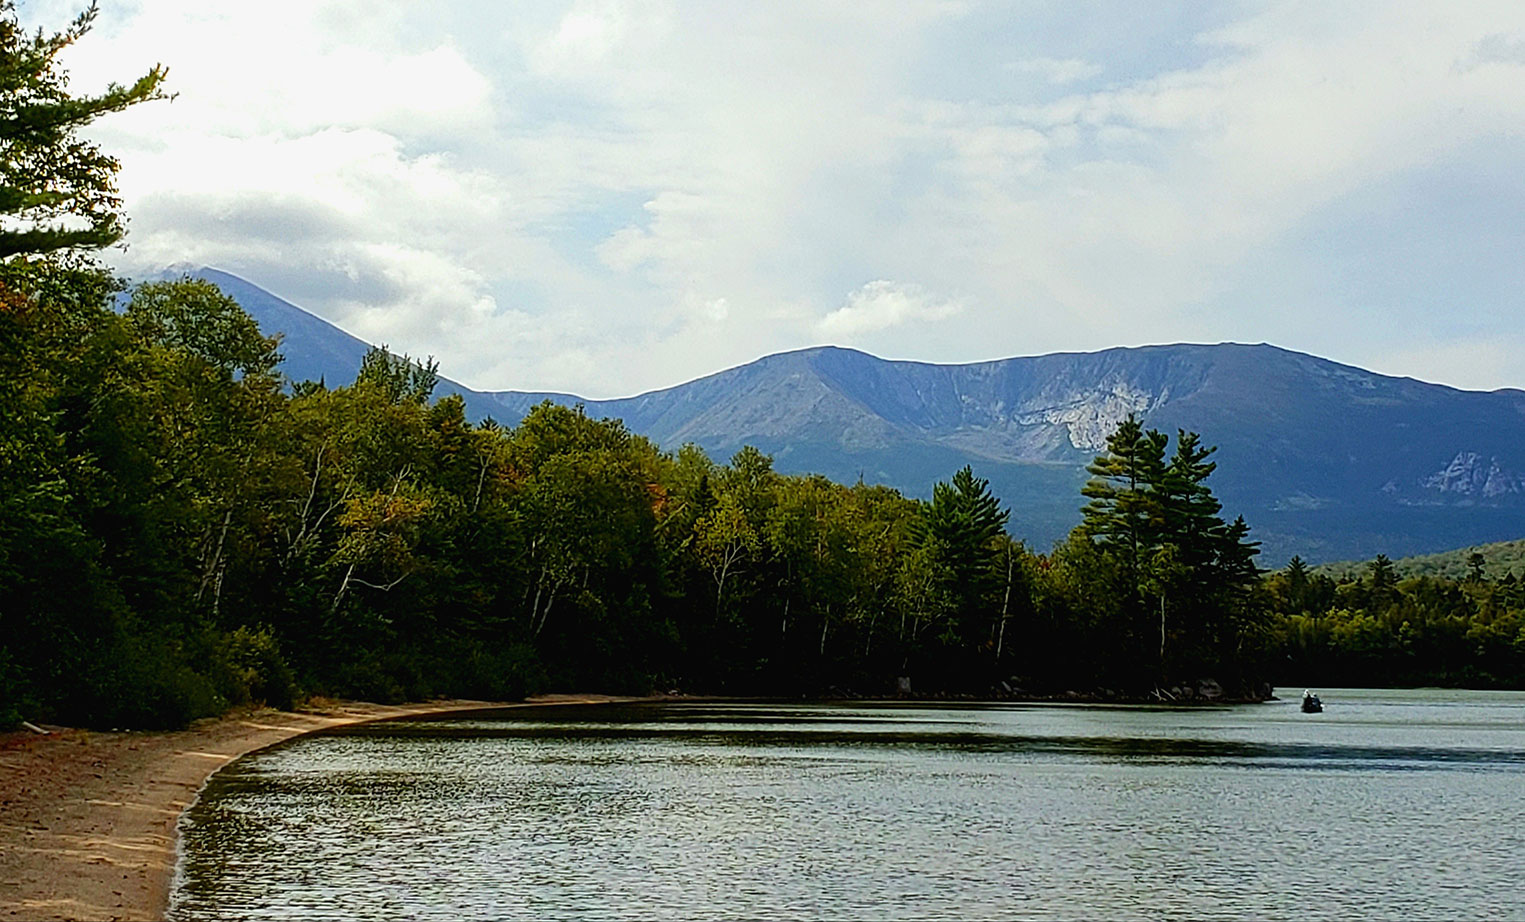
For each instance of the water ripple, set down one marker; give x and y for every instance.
(1393, 806)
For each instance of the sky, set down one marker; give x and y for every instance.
(604, 198)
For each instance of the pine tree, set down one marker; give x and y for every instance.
(959, 526)
(1123, 515)
(1187, 509)
(1185, 573)
(57, 191)
(1297, 584)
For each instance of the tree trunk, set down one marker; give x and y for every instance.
(545, 615)
(535, 606)
(214, 566)
(217, 592)
(476, 501)
(1000, 639)
(343, 588)
(1162, 636)
(307, 530)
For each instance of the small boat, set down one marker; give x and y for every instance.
(1311, 704)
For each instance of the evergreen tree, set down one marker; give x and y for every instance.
(57, 190)
(1297, 584)
(1186, 508)
(963, 518)
(1185, 573)
(1123, 514)
(960, 528)
(1382, 583)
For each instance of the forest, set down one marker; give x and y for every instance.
(183, 530)
(1378, 629)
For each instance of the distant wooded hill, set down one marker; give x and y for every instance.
(1324, 460)
(1499, 560)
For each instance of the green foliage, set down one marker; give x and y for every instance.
(961, 524)
(57, 190)
(1121, 513)
(1497, 561)
(955, 573)
(500, 673)
(1383, 629)
(1181, 578)
(254, 671)
(397, 378)
(194, 317)
(179, 534)
(226, 543)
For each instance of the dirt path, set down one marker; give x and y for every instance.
(87, 820)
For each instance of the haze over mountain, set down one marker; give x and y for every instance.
(1324, 460)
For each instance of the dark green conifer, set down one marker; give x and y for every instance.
(57, 190)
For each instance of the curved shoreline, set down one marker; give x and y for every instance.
(89, 821)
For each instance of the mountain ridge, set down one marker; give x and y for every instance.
(1324, 459)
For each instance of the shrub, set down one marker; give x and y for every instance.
(253, 669)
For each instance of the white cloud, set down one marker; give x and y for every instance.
(604, 197)
(882, 304)
(595, 38)
(287, 68)
(1059, 70)
(1497, 48)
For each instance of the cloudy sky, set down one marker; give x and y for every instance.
(605, 198)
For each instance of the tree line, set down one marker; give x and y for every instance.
(1379, 629)
(185, 529)
(182, 529)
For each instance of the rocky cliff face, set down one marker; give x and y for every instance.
(1089, 417)
(1473, 476)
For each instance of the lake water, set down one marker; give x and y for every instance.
(1390, 804)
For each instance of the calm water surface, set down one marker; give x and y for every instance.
(1390, 804)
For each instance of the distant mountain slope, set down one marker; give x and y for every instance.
(1320, 457)
(1499, 559)
(1324, 460)
(312, 348)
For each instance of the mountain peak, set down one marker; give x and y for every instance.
(1325, 460)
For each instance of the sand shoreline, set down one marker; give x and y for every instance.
(88, 820)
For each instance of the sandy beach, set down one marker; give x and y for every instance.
(88, 820)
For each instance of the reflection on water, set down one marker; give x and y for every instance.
(1389, 804)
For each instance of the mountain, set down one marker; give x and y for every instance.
(1324, 460)
(312, 348)
(1320, 458)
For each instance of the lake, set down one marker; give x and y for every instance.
(1389, 804)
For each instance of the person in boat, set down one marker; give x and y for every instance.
(1311, 702)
